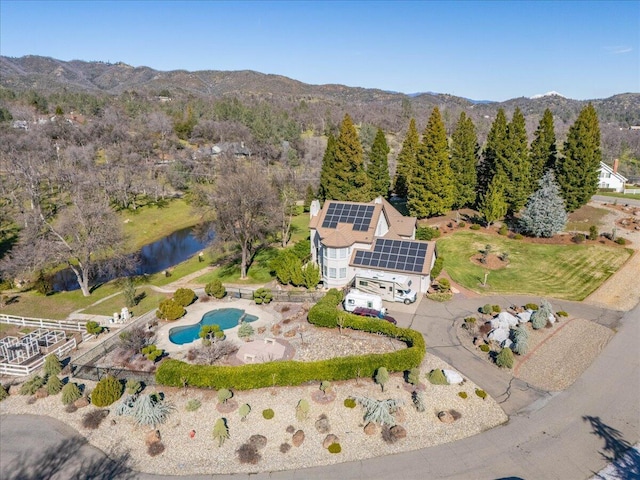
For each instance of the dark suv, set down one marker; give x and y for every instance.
(370, 312)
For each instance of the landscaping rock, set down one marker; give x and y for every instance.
(323, 425)
(329, 440)
(42, 393)
(258, 441)
(400, 416)
(298, 438)
(446, 417)
(81, 402)
(452, 377)
(398, 431)
(370, 428)
(14, 390)
(152, 437)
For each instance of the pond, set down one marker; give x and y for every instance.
(226, 318)
(153, 258)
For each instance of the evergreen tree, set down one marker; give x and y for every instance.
(351, 180)
(543, 153)
(492, 205)
(464, 160)
(494, 155)
(327, 174)
(516, 166)
(406, 161)
(378, 168)
(577, 169)
(431, 191)
(545, 214)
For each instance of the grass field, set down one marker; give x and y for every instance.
(569, 272)
(149, 300)
(584, 217)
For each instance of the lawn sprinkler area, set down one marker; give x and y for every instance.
(225, 318)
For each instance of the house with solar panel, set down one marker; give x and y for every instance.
(352, 240)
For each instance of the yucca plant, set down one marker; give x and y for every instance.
(379, 411)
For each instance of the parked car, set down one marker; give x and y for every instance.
(370, 312)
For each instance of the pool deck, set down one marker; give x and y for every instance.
(266, 318)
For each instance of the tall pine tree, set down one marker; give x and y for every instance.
(351, 180)
(543, 153)
(464, 160)
(494, 155)
(378, 168)
(493, 205)
(406, 161)
(516, 166)
(431, 191)
(327, 190)
(577, 169)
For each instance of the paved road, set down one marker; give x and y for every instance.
(620, 201)
(568, 435)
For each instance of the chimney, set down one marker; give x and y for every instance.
(616, 162)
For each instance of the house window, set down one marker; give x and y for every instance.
(343, 252)
(332, 273)
(324, 271)
(369, 304)
(332, 252)
(343, 273)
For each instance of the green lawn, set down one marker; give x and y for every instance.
(563, 271)
(259, 271)
(633, 196)
(148, 300)
(299, 228)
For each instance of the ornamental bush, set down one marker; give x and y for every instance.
(184, 297)
(133, 386)
(170, 310)
(244, 410)
(152, 352)
(437, 266)
(487, 309)
(54, 385)
(193, 405)
(334, 448)
(93, 328)
(302, 410)
(70, 393)
(245, 330)
(484, 348)
(223, 395)
(427, 233)
(262, 295)
(107, 391)
(215, 289)
(268, 414)
(593, 232)
(31, 386)
(436, 377)
(413, 376)
(505, 358)
(349, 402)
(475, 226)
(3, 393)
(52, 365)
(481, 393)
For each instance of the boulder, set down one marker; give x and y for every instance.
(42, 393)
(298, 438)
(499, 335)
(398, 432)
(322, 425)
(14, 390)
(453, 377)
(152, 437)
(81, 402)
(329, 440)
(507, 318)
(446, 417)
(506, 344)
(370, 428)
(524, 317)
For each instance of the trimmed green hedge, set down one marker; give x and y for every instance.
(289, 373)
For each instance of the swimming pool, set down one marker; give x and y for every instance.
(225, 317)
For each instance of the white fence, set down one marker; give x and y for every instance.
(23, 370)
(44, 323)
(631, 191)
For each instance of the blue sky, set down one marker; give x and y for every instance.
(479, 50)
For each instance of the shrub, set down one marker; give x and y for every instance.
(481, 393)
(579, 238)
(418, 401)
(244, 410)
(152, 352)
(70, 393)
(43, 285)
(262, 295)
(540, 317)
(379, 411)
(215, 289)
(505, 358)
(349, 402)
(470, 320)
(440, 296)
(382, 377)
(334, 448)
(413, 376)
(133, 387)
(93, 328)
(245, 330)
(150, 410)
(474, 226)
(193, 405)
(562, 313)
(302, 410)
(520, 338)
(221, 431)
(92, 420)
(71, 408)
(170, 310)
(462, 224)
(462, 395)
(54, 385)
(248, 454)
(486, 309)
(155, 448)
(324, 386)
(224, 394)
(30, 387)
(135, 339)
(503, 230)
(268, 414)
(427, 233)
(496, 308)
(52, 365)
(211, 332)
(531, 306)
(484, 348)
(3, 393)
(593, 232)
(438, 265)
(620, 241)
(444, 284)
(184, 297)
(436, 377)
(107, 391)
(518, 236)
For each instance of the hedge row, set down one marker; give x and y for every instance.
(290, 373)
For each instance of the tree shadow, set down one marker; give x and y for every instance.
(616, 450)
(65, 460)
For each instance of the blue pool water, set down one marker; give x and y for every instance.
(225, 317)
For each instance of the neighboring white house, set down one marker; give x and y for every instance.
(351, 237)
(610, 178)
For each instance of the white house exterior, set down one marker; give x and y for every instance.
(351, 237)
(610, 178)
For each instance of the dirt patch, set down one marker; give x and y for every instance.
(491, 262)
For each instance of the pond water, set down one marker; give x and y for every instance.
(153, 258)
(224, 317)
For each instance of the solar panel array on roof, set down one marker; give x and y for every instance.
(359, 216)
(400, 255)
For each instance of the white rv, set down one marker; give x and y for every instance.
(356, 298)
(389, 286)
